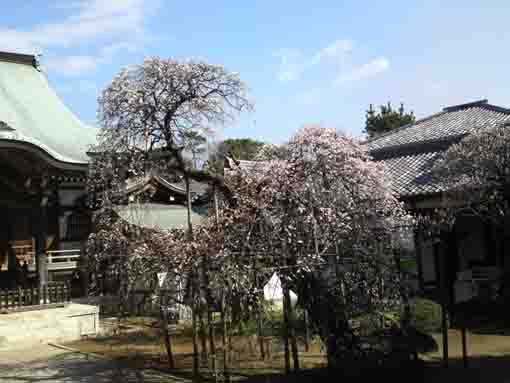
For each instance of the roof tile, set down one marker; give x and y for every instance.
(443, 125)
(409, 153)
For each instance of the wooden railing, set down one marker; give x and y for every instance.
(56, 259)
(52, 293)
(27, 252)
(63, 259)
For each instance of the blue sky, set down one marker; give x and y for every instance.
(304, 62)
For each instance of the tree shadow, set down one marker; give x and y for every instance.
(75, 367)
(480, 369)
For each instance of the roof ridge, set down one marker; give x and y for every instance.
(484, 104)
(419, 121)
(466, 105)
(18, 58)
(4, 126)
(496, 108)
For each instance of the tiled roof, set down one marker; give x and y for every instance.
(409, 153)
(451, 122)
(32, 114)
(197, 188)
(411, 174)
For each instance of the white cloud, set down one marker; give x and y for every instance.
(89, 20)
(290, 65)
(72, 65)
(370, 69)
(293, 63)
(338, 50)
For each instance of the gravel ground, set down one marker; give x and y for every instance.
(49, 364)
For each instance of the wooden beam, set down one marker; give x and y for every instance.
(464, 346)
(444, 293)
(418, 243)
(444, 332)
(40, 245)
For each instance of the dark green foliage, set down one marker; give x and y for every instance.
(242, 148)
(426, 315)
(239, 148)
(386, 119)
(272, 325)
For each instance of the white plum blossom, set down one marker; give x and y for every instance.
(475, 175)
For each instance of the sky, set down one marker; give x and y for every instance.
(304, 62)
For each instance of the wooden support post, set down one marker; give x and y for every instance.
(464, 346)
(40, 246)
(444, 328)
(444, 294)
(418, 243)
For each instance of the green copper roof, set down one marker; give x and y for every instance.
(159, 216)
(34, 114)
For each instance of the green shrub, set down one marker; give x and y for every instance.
(248, 327)
(426, 315)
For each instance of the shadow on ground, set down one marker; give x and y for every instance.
(73, 367)
(480, 369)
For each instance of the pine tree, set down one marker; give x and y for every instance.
(386, 119)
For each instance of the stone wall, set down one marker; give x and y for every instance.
(61, 324)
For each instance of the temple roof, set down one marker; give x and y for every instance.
(179, 187)
(411, 151)
(32, 113)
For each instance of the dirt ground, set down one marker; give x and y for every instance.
(489, 357)
(46, 363)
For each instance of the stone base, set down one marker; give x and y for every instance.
(20, 330)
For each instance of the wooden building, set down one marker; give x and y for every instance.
(468, 262)
(44, 215)
(43, 155)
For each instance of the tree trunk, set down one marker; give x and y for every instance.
(286, 331)
(166, 335)
(203, 335)
(188, 205)
(209, 298)
(307, 330)
(212, 341)
(225, 336)
(260, 334)
(196, 368)
(288, 314)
